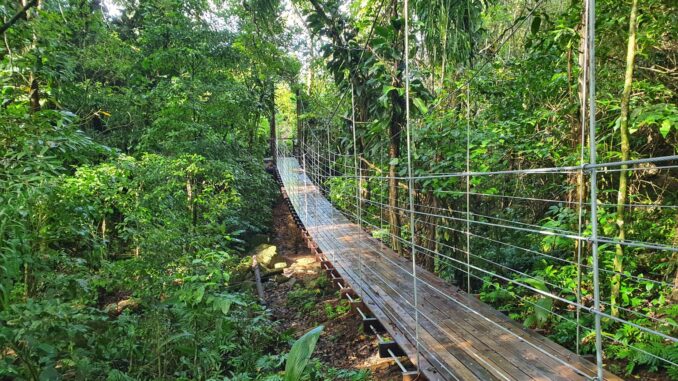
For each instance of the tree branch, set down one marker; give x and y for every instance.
(17, 16)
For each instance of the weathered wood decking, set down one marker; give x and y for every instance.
(460, 338)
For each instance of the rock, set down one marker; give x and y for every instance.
(267, 256)
(115, 309)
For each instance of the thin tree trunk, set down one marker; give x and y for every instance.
(300, 126)
(272, 123)
(394, 155)
(674, 259)
(190, 199)
(361, 118)
(674, 293)
(311, 70)
(625, 152)
(34, 95)
(579, 121)
(34, 92)
(428, 237)
(395, 128)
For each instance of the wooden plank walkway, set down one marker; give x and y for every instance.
(459, 337)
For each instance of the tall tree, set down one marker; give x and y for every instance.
(622, 190)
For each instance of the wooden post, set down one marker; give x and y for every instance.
(257, 279)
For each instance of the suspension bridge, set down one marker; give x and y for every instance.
(434, 329)
(448, 334)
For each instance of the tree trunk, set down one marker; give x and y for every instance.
(311, 69)
(578, 124)
(300, 126)
(427, 238)
(395, 128)
(674, 293)
(625, 152)
(674, 260)
(361, 118)
(191, 196)
(34, 95)
(257, 279)
(271, 123)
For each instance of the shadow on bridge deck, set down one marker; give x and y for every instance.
(459, 337)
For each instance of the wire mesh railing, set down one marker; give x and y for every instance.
(565, 300)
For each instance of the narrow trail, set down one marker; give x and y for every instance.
(302, 299)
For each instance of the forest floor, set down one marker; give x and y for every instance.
(302, 298)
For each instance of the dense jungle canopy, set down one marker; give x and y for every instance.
(133, 135)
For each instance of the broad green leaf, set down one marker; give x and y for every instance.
(539, 284)
(223, 304)
(199, 294)
(388, 89)
(421, 105)
(300, 353)
(665, 128)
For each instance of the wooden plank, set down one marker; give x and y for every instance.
(564, 372)
(466, 342)
(374, 304)
(528, 335)
(460, 345)
(381, 294)
(448, 361)
(441, 308)
(518, 354)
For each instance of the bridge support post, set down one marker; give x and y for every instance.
(370, 324)
(394, 348)
(590, 47)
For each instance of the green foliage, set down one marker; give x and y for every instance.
(336, 311)
(317, 371)
(131, 150)
(303, 299)
(300, 353)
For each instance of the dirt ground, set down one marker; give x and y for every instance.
(343, 344)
